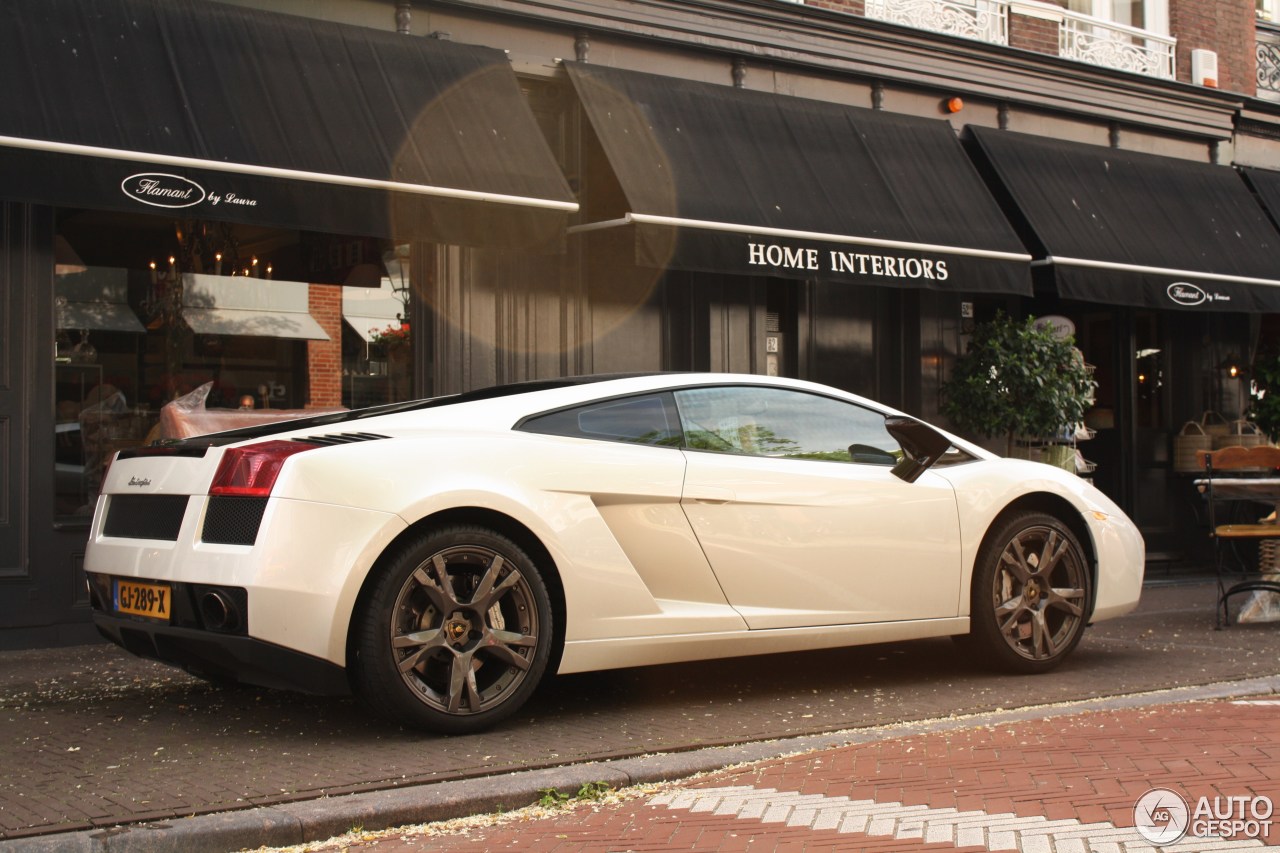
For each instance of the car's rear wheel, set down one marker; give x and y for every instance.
(1030, 594)
(455, 633)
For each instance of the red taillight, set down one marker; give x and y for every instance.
(251, 471)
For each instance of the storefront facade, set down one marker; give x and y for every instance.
(266, 206)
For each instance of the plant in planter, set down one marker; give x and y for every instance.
(394, 335)
(1264, 408)
(1017, 379)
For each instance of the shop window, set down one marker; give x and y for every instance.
(1150, 379)
(169, 328)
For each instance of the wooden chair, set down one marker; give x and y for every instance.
(1235, 474)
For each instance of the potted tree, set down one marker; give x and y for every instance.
(1017, 379)
(1264, 408)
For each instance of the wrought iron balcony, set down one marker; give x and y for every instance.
(985, 20)
(1080, 37)
(1268, 51)
(1106, 43)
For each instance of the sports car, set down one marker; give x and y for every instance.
(441, 557)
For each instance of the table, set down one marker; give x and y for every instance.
(1261, 489)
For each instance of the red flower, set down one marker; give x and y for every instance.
(392, 335)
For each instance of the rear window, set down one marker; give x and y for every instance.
(648, 419)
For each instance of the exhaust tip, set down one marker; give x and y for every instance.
(219, 612)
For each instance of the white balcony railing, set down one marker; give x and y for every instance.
(1100, 42)
(1268, 52)
(1083, 38)
(985, 20)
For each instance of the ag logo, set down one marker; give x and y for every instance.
(1161, 816)
(161, 190)
(1187, 294)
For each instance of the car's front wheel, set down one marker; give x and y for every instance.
(456, 632)
(1030, 594)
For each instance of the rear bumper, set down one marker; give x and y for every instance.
(225, 657)
(302, 576)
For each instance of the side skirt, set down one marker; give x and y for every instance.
(588, 655)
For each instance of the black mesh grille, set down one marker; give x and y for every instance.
(145, 516)
(233, 520)
(340, 438)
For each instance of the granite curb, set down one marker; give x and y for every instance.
(319, 819)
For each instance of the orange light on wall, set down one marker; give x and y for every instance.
(954, 105)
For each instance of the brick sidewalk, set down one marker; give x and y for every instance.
(1067, 784)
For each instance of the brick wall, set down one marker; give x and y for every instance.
(1225, 26)
(1037, 34)
(324, 358)
(853, 7)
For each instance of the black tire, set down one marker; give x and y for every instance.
(1030, 594)
(453, 657)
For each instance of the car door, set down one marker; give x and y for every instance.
(791, 496)
(631, 473)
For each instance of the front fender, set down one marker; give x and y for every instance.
(986, 488)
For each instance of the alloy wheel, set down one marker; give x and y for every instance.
(464, 630)
(1039, 592)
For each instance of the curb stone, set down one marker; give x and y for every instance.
(319, 819)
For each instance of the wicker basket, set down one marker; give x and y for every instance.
(1241, 433)
(1213, 423)
(1269, 556)
(1191, 439)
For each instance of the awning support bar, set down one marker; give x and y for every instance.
(677, 222)
(1191, 274)
(275, 172)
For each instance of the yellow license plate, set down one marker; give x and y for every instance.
(143, 599)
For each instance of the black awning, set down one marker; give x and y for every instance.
(721, 179)
(236, 114)
(1266, 187)
(1128, 228)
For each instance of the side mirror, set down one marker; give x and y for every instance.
(922, 446)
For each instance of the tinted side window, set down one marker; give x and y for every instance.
(784, 423)
(641, 420)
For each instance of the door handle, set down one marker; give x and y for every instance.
(710, 495)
